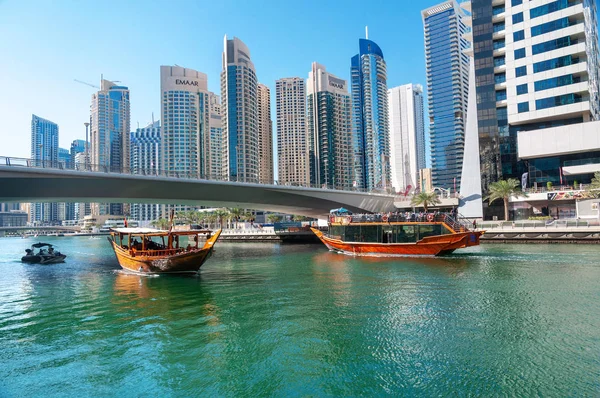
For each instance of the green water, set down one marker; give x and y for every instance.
(266, 319)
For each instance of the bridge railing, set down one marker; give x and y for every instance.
(154, 171)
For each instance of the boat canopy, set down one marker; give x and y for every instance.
(38, 245)
(340, 212)
(158, 232)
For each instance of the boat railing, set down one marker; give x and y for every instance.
(396, 217)
(158, 253)
(457, 224)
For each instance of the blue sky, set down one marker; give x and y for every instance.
(46, 45)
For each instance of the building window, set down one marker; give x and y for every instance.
(499, 61)
(521, 71)
(517, 18)
(500, 78)
(523, 107)
(498, 27)
(555, 82)
(555, 63)
(549, 26)
(557, 101)
(498, 44)
(548, 8)
(519, 35)
(498, 10)
(522, 89)
(552, 45)
(519, 53)
(516, 2)
(500, 95)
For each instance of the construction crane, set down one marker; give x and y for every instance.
(87, 84)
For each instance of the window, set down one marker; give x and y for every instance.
(555, 63)
(498, 27)
(517, 18)
(523, 107)
(559, 81)
(548, 8)
(557, 101)
(519, 35)
(500, 78)
(516, 2)
(549, 26)
(499, 61)
(498, 44)
(498, 10)
(519, 53)
(521, 71)
(522, 89)
(552, 45)
(500, 95)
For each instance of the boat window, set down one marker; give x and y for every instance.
(405, 233)
(430, 230)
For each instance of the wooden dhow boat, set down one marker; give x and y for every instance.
(396, 235)
(145, 250)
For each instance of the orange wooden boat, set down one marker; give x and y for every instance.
(387, 235)
(144, 250)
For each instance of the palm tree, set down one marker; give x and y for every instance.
(221, 214)
(425, 199)
(161, 223)
(273, 218)
(504, 189)
(236, 213)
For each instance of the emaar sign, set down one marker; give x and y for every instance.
(186, 82)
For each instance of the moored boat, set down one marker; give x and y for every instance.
(145, 250)
(396, 235)
(45, 255)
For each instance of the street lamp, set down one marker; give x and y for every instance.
(87, 149)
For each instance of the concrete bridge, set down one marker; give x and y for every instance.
(24, 180)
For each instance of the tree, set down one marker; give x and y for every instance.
(161, 223)
(236, 214)
(425, 199)
(504, 189)
(594, 187)
(221, 215)
(273, 218)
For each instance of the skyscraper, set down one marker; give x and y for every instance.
(44, 153)
(292, 159)
(239, 112)
(77, 146)
(537, 82)
(407, 135)
(145, 158)
(110, 118)
(185, 119)
(328, 119)
(448, 90)
(216, 147)
(370, 118)
(265, 136)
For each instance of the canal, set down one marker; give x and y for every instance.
(297, 320)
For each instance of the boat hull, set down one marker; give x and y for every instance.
(44, 259)
(430, 246)
(185, 262)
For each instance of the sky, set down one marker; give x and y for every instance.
(45, 45)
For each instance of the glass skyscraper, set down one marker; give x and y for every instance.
(44, 153)
(239, 96)
(328, 120)
(145, 158)
(215, 152)
(370, 118)
(407, 136)
(448, 90)
(265, 135)
(110, 118)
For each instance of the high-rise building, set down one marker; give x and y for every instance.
(536, 69)
(216, 148)
(239, 112)
(64, 158)
(329, 126)
(447, 90)
(109, 149)
(407, 136)
(44, 153)
(370, 118)
(145, 158)
(265, 136)
(292, 159)
(185, 119)
(77, 146)
(81, 209)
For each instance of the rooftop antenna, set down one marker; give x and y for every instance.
(367, 32)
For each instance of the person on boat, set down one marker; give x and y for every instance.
(29, 252)
(189, 247)
(51, 251)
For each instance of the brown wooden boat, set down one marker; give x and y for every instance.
(392, 235)
(144, 250)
